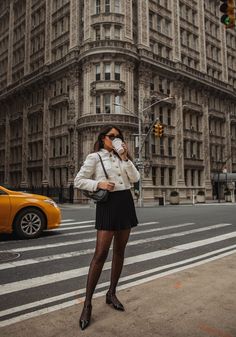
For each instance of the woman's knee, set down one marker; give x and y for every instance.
(100, 256)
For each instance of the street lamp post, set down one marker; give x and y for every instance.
(140, 142)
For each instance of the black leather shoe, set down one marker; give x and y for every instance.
(112, 299)
(85, 317)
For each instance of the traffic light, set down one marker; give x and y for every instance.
(228, 8)
(161, 130)
(156, 130)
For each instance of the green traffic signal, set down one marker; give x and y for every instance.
(228, 8)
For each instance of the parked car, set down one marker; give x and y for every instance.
(27, 215)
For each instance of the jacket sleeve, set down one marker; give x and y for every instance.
(131, 171)
(83, 179)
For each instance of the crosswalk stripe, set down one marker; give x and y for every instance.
(134, 232)
(39, 312)
(74, 273)
(78, 222)
(35, 260)
(74, 242)
(67, 220)
(61, 228)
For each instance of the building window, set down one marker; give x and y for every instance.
(162, 176)
(117, 6)
(107, 6)
(169, 117)
(170, 176)
(107, 71)
(117, 33)
(169, 146)
(107, 103)
(117, 107)
(98, 6)
(98, 105)
(107, 32)
(117, 72)
(161, 115)
(98, 73)
(97, 33)
(162, 152)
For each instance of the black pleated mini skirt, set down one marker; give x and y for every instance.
(117, 213)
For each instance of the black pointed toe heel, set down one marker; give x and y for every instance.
(112, 299)
(85, 317)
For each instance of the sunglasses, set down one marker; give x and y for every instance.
(112, 137)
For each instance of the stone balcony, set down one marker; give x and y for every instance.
(105, 86)
(88, 121)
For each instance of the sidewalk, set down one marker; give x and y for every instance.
(186, 202)
(196, 302)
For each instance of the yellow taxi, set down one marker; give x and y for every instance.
(27, 215)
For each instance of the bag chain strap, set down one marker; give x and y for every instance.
(103, 166)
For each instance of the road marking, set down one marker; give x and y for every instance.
(74, 273)
(101, 293)
(67, 220)
(134, 231)
(174, 235)
(131, 243)
(78, 222)
(85, 226)
(48, 258)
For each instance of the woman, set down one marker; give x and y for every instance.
(114, 218)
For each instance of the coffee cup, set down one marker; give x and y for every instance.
(117, 145)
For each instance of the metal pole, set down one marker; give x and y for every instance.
(140, 158)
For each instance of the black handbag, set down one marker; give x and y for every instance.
(99, 195)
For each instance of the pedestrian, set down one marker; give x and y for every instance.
(114, 217)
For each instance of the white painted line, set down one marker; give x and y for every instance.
(74, 273)
(99, 294)
(174, 235)
(86, 226)
(35, 260)
(75, 242)
(67, 220)
(133, 232)
(122, 279)
(78, 223)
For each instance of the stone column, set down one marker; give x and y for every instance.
(144, 93)
(48, 32)
(143, 23)
(224, 60)
(179, 143)
(46, 136)
(128, 20)
(73, 115)
(228, 151)
(10, 44)
(27, 37)
(176, 31)
(202, 37)
(7, 148)
(206, 145)
(87, 19)
(24, 178)
(75, 24)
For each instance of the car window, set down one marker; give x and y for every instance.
(2, 192)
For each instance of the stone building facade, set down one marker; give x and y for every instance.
(64, 64)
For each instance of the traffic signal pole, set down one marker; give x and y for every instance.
(141, 143)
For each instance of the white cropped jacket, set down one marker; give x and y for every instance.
(122, 173)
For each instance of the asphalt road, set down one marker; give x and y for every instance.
(50, 272)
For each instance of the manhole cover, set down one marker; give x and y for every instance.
(8, 256)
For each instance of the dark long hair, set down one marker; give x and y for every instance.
(99, 144)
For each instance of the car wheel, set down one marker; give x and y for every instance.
(29, 223)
